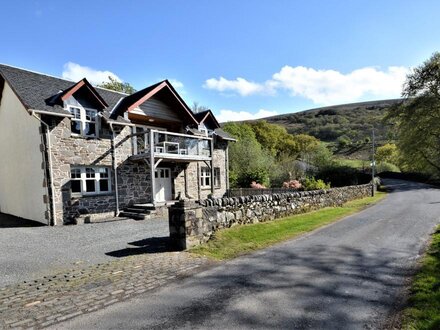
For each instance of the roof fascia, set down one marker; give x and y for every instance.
(80, 84)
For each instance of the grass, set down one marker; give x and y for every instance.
(238, 240)
(423, 311)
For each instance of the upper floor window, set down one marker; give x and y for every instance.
(84, 121)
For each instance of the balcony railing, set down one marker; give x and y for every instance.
(173, 145)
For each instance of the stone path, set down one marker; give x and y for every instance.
(59, 297)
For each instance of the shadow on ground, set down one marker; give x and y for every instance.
(148, 245)
(9, 221)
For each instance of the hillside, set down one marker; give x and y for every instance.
(347, 128)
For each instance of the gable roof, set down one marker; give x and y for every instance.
(207, 116)
(136, 99)
(36, 90)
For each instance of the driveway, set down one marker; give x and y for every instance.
(32, 252)
(349, 275)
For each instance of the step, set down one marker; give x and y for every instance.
(133, 215)
(136, 210)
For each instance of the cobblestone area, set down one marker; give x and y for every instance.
(59, 297)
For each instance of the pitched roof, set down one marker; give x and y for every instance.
(36, 90)
(207, 116)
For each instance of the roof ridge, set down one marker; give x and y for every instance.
(59, 78)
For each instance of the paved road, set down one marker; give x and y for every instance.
(345, 276)
(31, 252)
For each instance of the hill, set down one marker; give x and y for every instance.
(347, 127)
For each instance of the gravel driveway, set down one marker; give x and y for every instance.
(32, 252)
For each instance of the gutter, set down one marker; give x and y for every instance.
(115, 171)
(56, 114)
(52, 191)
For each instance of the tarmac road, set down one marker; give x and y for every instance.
(349, 275)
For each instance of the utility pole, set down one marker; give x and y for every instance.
(373, 163)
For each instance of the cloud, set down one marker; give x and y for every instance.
(76, 72)
(330, 86)
(239, 85)
(230, 115)
(323, 87)
(178, 85)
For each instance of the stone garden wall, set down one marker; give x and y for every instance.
(192, 223)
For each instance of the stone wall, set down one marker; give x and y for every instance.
(193, 223)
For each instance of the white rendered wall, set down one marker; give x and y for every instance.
(21, 172)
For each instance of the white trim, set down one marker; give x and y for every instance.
(205, 173)
(42, 112)
(83, 120)
(97, 178)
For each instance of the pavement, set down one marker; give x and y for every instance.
(349, 275)
(28, 252)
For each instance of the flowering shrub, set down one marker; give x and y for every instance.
(292, 184)
(257, 185)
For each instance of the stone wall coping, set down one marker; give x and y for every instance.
(233, 201)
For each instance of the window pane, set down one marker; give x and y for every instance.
(103, 185)
(103, 171)
(75, 127)
(75, 112)
(75, 173)
(90, 173)
(89, 129)
(90, 185)
(75, 186)
(90, 115)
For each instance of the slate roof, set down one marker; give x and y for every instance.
(35, 89)
(203, 115)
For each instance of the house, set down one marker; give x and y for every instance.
(73, 152)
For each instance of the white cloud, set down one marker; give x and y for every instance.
(76, 72)
(323, 87)
(239, 85)
(230, 115)
(178, 85)
(330, 86)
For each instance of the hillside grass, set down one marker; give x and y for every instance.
(423, 311)
(238, 240)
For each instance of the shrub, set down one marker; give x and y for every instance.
(292, 184)
(313, 184)
(256, 185)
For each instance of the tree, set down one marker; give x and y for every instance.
(196, 107)
(118, 86)
(387, 153)
(417, 119)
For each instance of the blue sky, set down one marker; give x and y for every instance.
(242, 59)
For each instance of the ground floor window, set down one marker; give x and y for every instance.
(205, 177)
(85, 180)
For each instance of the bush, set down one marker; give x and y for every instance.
(340, 176)
(292, 184)
(257, 185)
(386, 167)
(313, 184)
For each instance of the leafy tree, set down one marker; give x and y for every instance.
(118, 86)
(417, 119)
(248, 161)
(387, 153)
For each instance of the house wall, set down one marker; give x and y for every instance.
(133, 178)
(23, 191)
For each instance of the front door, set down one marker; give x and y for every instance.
(162, 188)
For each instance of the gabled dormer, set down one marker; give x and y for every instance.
(158, 105)
(207, 122)
(84, 104)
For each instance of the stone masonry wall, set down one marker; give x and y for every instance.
(193, 224)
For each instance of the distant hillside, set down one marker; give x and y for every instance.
(347, 123)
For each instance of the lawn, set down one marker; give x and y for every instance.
(423, 311)
(238, 240)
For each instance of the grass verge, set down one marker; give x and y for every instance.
(423, 311)
(238, 240)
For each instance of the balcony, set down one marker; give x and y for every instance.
(171, 146)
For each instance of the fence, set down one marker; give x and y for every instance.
(238, 192)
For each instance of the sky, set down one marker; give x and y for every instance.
(242, 59)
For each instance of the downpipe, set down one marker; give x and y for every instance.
(115, 171)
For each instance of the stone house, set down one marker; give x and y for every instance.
(72, 152)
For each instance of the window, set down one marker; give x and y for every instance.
(205, 177)
(217, 177)
(90, 180)
(84, 121)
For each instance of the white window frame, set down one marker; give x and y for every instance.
(205, 175)
(83, 120)
(83, 179)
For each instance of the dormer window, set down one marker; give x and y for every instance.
(84, 121)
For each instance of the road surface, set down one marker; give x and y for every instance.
(349, 275)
